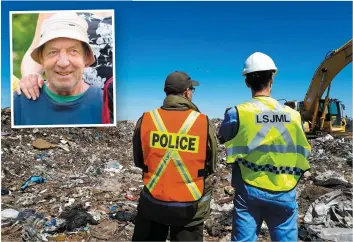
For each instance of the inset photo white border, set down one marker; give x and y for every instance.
(11, 13)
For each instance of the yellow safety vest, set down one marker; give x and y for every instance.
(270, 147)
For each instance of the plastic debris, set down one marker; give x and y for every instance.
(123, 215)
(25, 214)
(64, 142)
(113, 166)
(331, 178)
(130, 197)
(77, 216)
(9, 213)
(33, 179)
(70, 202)
(325, 138)
(4, 191)
(330, 217)
(40, 157)
(64, 147)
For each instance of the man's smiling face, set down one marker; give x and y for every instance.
(63, 60)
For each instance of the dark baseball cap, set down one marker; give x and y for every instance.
(178, 82)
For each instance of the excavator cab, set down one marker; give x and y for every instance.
(334, 121)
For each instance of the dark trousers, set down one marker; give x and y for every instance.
(148, 230)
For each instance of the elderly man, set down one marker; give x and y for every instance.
(64, 52)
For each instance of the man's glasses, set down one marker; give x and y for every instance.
(192, 89)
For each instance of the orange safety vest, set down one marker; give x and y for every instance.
(174, 151)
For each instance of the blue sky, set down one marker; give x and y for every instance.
(210, 41)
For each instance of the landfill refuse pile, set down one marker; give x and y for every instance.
(330, 217)
(80, 184)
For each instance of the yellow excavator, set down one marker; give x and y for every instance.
(322, 116)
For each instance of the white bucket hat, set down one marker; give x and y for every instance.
(67, 25)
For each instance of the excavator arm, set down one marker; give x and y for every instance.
(334, 62)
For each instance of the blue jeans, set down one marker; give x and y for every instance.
(249, 213)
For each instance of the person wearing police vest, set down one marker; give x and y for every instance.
(268, 150)
(176, 147)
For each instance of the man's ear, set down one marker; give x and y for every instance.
(186, 94)
(271, 82)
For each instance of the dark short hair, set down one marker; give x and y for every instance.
(171, 91)
(259, 80)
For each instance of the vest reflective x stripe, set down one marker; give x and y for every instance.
(270, 147)
(180, 137)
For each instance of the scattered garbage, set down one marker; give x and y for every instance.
(42, 144)
(123, 215)
(25, 214)
(64, 147)
(221, 208)
(130, 197)
(331, 178)
(105, 231)
(325, 138)
(77, 216)
(55, 225)
(29, 233)
(307, 175)
(228, 177)
(4, 191)
(123, 212)
(330, 217)
(64, 142)
(229, 190)
(94, 167)
(33, 179)
(220, 223)
(41, 157)
(113, 166)
(9, 213)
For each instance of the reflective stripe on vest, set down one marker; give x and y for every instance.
(254, 145)
(270, 146)
(173, 154)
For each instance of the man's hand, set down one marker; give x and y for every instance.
(30, 85)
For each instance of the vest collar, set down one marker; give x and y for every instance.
(264, 98)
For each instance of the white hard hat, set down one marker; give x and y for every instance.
(259, 62)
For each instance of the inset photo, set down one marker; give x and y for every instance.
(62, 65)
